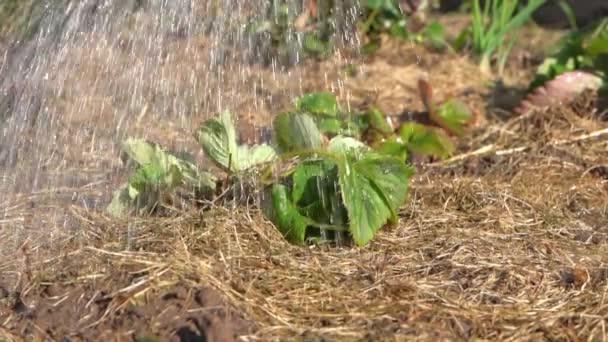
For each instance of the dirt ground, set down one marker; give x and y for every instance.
(508, 240)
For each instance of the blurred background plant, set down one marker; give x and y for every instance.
(583, 49)
(404, 20)
(290, 31)
(493, 30)
(14, 17)
(20, 19)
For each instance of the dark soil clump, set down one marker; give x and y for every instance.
(115, 306)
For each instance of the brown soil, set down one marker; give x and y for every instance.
(508, 240)
(104, 309)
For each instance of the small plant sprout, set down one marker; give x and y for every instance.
(329, 174)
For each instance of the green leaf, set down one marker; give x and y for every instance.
(425, 140)
(351, 126)
(153, 156)
(434, 34)
(390, 176)
(356, 124)
(128, 197)
(389, 7)
(454, 115)
(303, 173)
(315, 192)
(597, 42)
(284, 214)
(343, 144)
(133, 192)
(393, 146)
(372, 188)
(374, 4)
(259, 26)
(296, 131)
(217, 137)
(377, 120)
(546, 66)
(143, 152)
(321, 103)
(330, 125)
(151, 175)
(157, 170)
(313, 45)
(463, 37)
(398, 30)
(250, 156)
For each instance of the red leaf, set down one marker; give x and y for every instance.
(560, 90)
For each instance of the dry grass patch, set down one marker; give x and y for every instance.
(489, 247)
(508, 240)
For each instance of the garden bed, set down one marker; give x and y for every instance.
(507, 240)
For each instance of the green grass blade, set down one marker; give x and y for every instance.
(477, 24)
(569, 14)
(518, 20)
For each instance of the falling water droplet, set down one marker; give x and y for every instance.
(78, 85)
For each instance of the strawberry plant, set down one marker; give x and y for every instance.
(387, 17)
(398, 136)
(346, 172)
(579, 62)
(324, 187)
(584, 49)
(328, 174)
(288, 33)
(160, 172)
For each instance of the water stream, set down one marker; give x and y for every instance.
(92, 72)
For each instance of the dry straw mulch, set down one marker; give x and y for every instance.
(506, 243)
